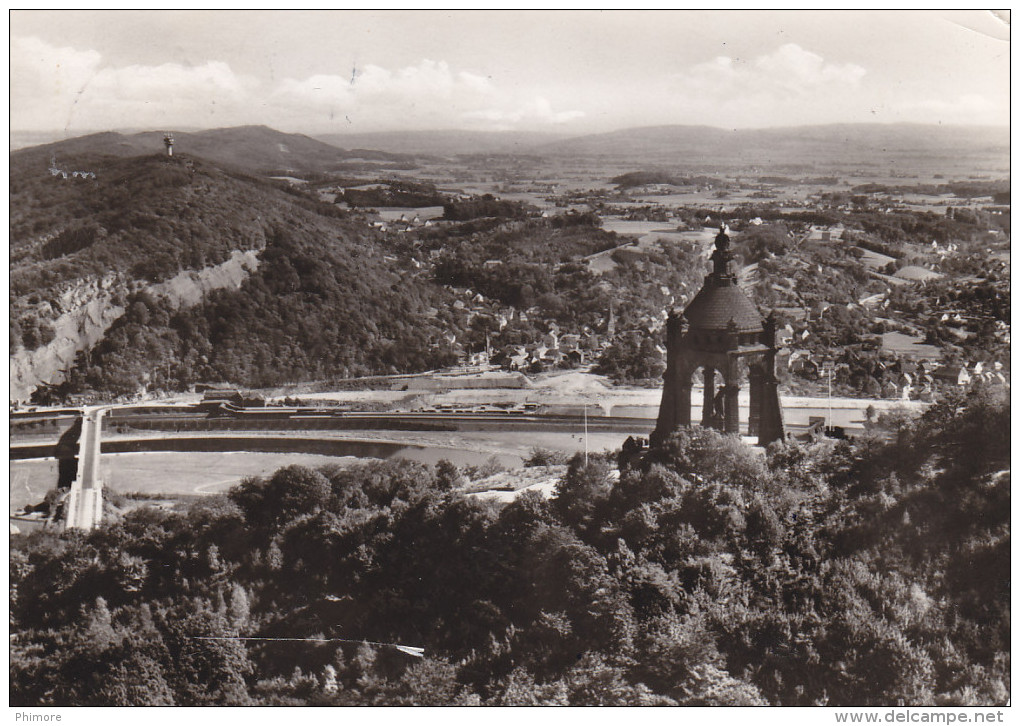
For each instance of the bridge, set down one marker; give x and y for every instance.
(84, 503)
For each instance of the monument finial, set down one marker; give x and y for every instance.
(722, 256)
(722, 240)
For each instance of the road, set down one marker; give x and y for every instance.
(84, 503)
(171, 422)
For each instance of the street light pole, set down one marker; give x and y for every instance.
(585, 434)
(828, 370)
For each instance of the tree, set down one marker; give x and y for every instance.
(427, 682)
(596, 682)
(632, 358)
(757, 243)
(296, 490)
(580, 492)
(291, 492)
(240, 607)
(448, 476)
(520, 689)
(712, 456)
(210, 666)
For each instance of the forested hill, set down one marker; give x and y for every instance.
(324, 298)
(256, 148)
(147, 217)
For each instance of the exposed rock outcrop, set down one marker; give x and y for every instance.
(89, 311)
(190, 287)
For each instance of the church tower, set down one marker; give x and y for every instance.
(720, 332)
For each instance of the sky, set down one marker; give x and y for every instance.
(569, 72)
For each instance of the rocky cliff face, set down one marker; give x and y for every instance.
(89, 310)
(188, 288)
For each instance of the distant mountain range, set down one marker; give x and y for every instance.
(255, 148)
(706, 145)
(788, 145)
(446, 142)
(262, 149)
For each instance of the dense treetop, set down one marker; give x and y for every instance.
(849, 573)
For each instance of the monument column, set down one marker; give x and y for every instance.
(731, 401)
(708, 399)
(771, 428)
(732, 425)
(754, 380)
(675, 408)
(684, 402)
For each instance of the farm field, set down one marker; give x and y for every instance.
(636, 227)
(874, 260)
(391, 214)
(211, 472)
(160, 472)
(909, 345)
(30, 480)
(198, 472)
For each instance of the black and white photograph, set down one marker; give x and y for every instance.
(510, 358)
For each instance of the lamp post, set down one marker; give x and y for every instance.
(827, 370)
(596, 397)
(586, 433)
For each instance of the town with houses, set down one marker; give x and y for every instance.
(901, 362)
(595, 358)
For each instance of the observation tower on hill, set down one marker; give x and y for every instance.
(721, 331)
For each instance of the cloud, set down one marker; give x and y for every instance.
(46, 80)
(788, 72)
(426, 94)
(424, 81)
(967, 108)
(537, 109)
(428, 88)
(62, 87)
(798, 70)
(66, 88)
(736, 92)
(967, 103)
(33, 60)
(432, 79)
(167, 95)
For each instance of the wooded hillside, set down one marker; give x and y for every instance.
(324, 300)
(845, 574)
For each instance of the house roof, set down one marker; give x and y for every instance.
(950, 372)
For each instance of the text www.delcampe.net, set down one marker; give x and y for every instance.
(909, 716)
